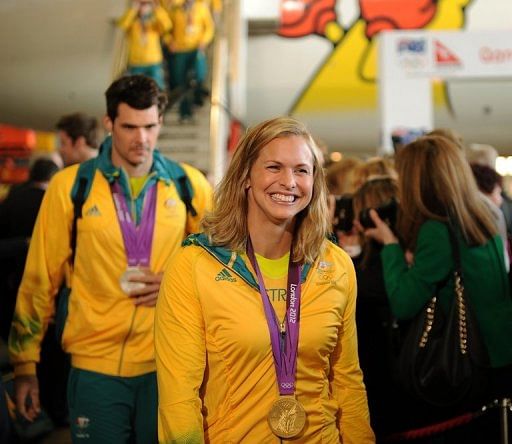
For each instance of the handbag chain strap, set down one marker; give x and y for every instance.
(461, 303)
(429, 321)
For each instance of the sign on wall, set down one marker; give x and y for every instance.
(410, 60)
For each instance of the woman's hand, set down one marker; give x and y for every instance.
(409, 257)
(381, 233)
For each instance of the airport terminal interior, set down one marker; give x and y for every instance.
(367, 78)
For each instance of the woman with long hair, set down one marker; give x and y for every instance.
(438, 194)
(255, 325)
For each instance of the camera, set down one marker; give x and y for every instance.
(343, 213)
(386, 212)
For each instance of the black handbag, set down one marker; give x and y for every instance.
(443, 360)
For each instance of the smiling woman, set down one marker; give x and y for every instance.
(255, 325)
(279, 187)
(277, 160)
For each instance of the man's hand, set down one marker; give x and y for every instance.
(26, 389)
(146, 296)
(171, 46)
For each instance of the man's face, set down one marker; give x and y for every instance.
(145, 7)
(134, 136)
(68, 150)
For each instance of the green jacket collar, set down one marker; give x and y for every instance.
(111, 172)
(231, 259)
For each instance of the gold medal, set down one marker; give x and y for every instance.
(287, 417)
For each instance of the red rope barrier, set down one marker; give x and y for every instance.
(439, 427)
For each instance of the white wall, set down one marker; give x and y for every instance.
(56, 58)
(490, 14)
(260, 9)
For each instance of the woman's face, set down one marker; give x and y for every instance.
(495, 196)
(280, 183)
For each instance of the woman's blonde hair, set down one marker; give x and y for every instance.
(374, 167)
(227, 226)
(340, 176)
(450, 134)
(436, 182)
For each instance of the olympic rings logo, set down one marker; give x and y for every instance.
(287, 385)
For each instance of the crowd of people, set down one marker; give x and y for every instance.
(270, 309)
(403, 214)
(171, 37)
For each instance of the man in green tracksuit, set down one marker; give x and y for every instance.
(132, 222)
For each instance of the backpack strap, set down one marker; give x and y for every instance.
(184, 191)
(83, 182)
(79, 193)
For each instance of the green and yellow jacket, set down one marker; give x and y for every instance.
(144, 47)
(104, 331)
(191, 28)
(215, 368)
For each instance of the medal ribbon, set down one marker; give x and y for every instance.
(284, 348)
(137, 238)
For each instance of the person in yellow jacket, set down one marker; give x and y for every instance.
(255, 329)
(145, 24)
(215, 8)
(132, 222)
(193, 30)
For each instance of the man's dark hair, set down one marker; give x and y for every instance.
(137, 91)
(42, 170)
(79, 125)
(486, 177)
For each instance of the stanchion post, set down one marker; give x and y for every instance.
(504, 408)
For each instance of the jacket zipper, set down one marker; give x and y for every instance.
(123, 346)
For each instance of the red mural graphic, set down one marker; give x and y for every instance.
(351, 65)
(396, 14)
(304, 17)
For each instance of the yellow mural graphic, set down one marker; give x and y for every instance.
(347, 78)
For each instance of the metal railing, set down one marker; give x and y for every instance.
(228, 86)
(225, 73)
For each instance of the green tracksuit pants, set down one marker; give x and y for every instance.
(107, 409)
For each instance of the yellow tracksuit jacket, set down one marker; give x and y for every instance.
(190, 29)
(104, 332)
(144, 47)
(215, 5)
(215, 369)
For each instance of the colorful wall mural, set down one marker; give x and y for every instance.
(346, 78)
